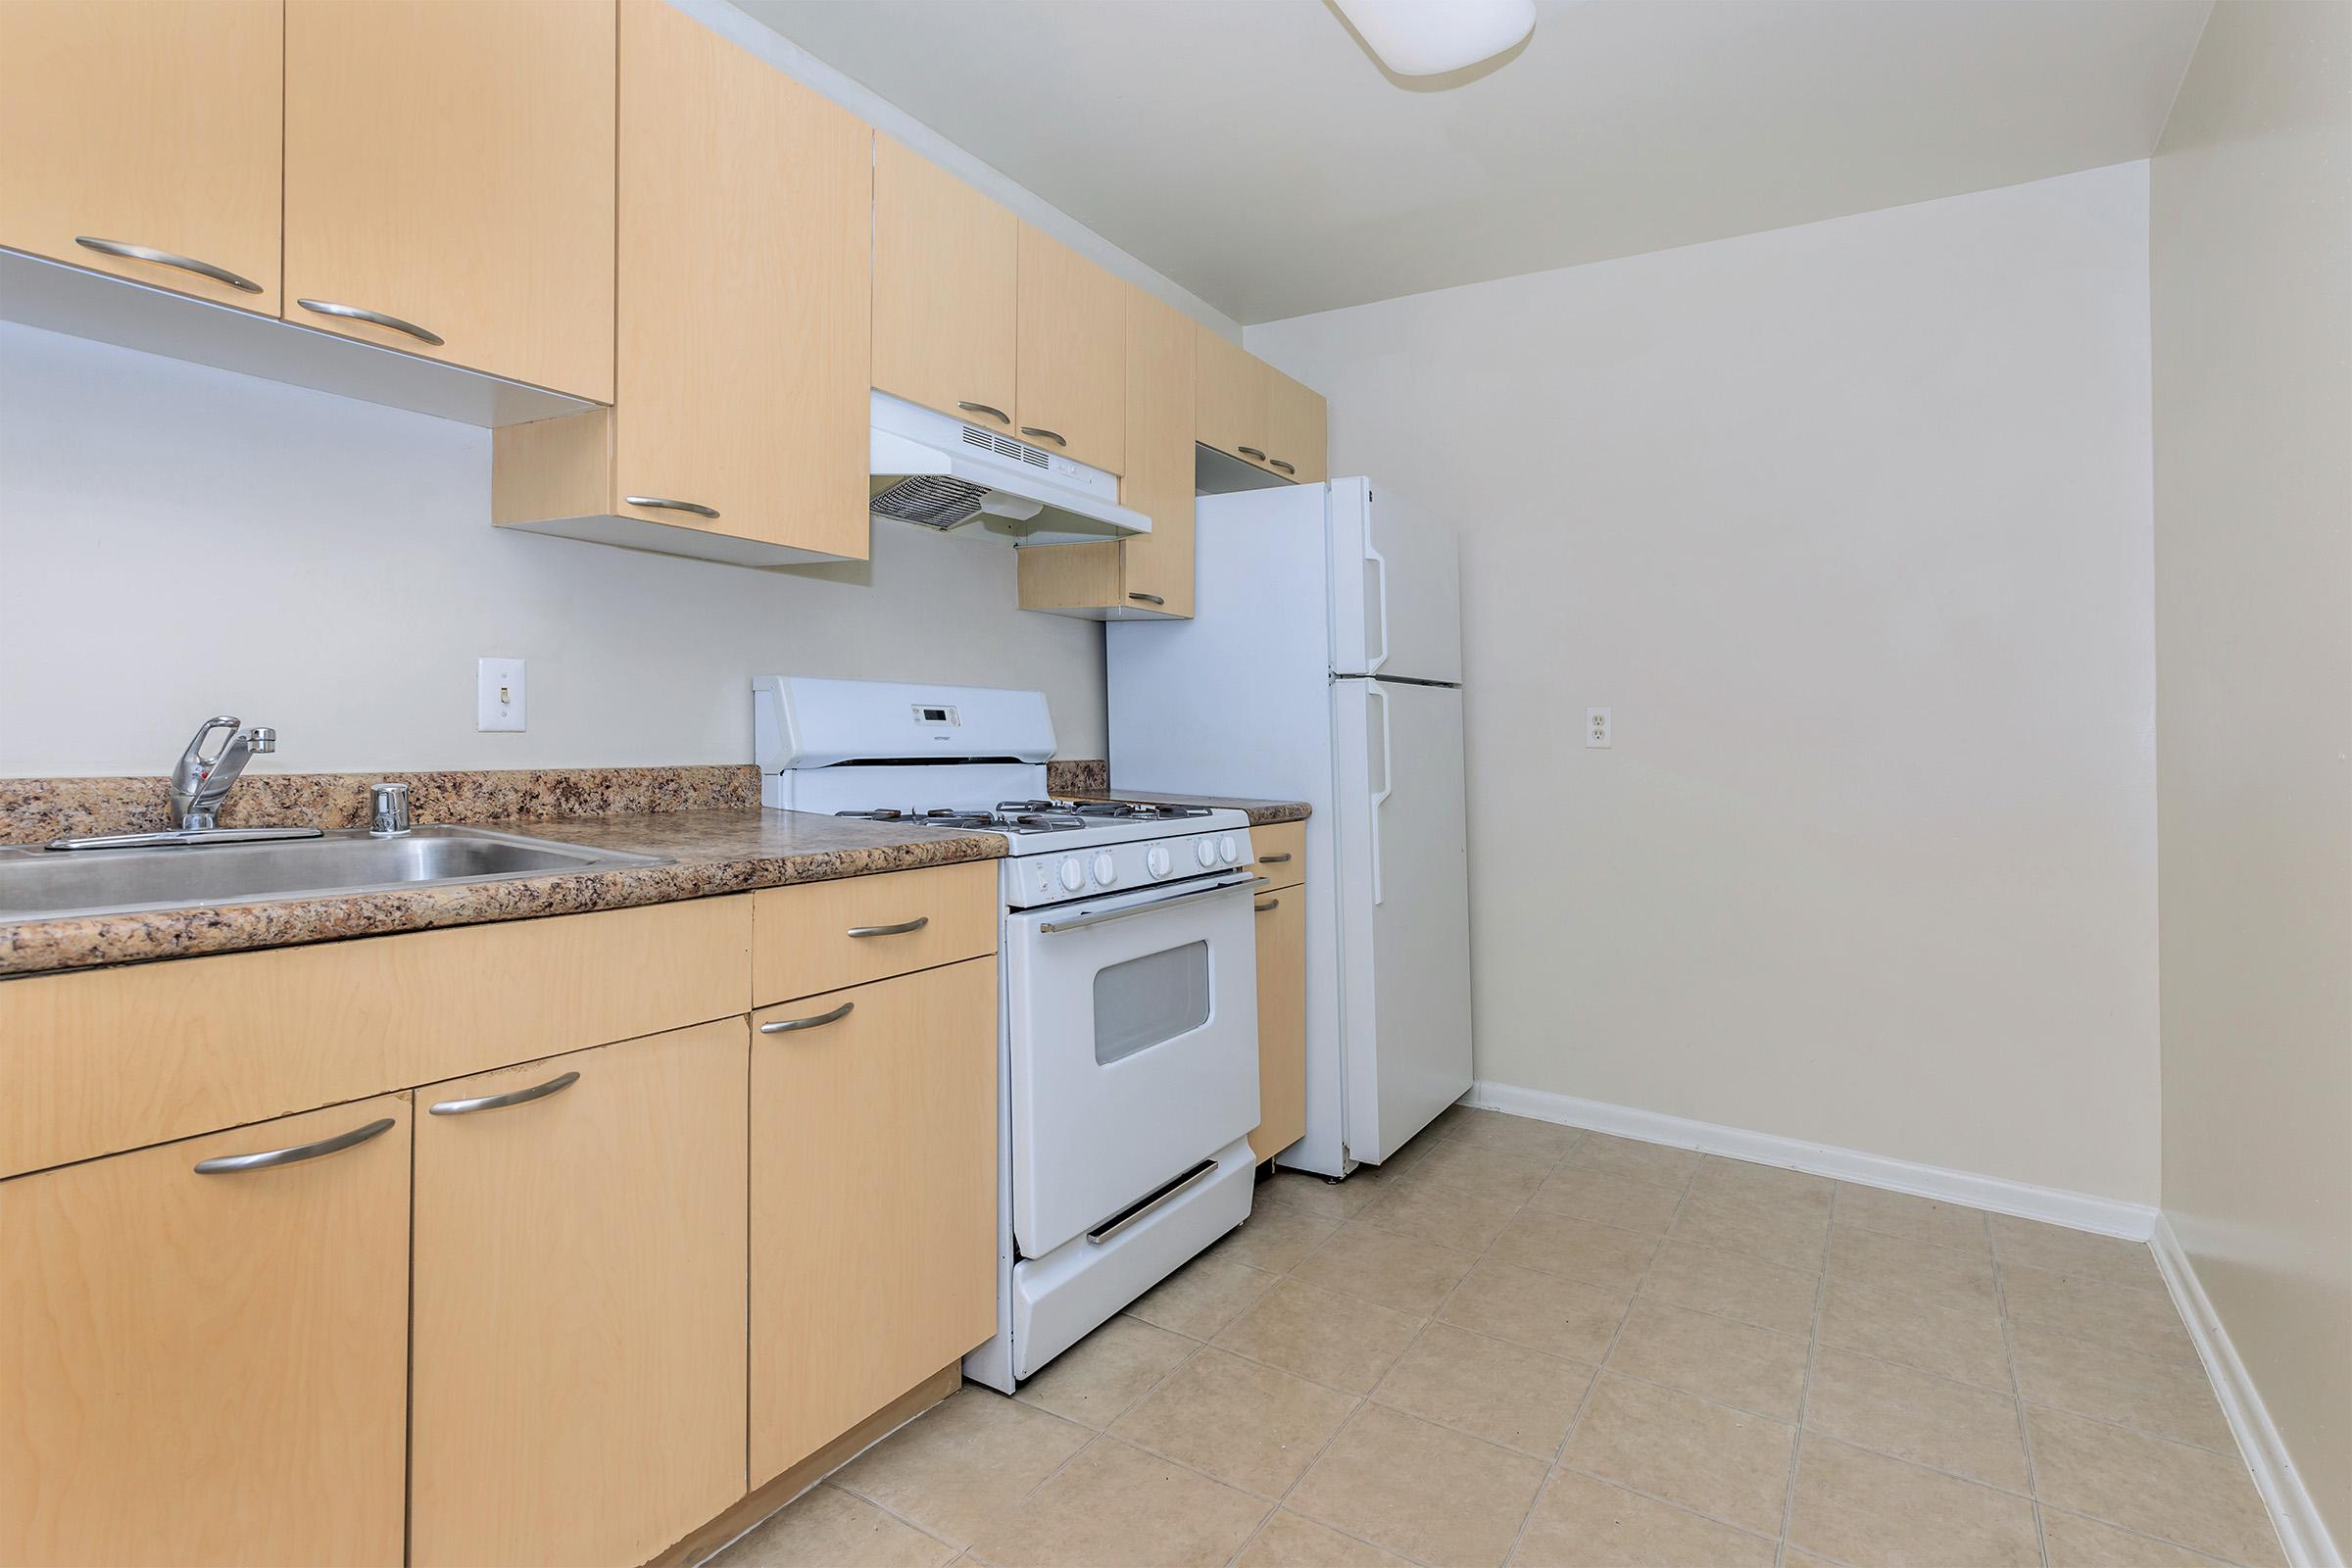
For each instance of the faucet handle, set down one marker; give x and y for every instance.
(387, 809)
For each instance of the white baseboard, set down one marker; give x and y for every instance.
(2302, 1533)
(2082, 1211)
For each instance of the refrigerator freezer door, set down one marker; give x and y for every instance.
(1395, 587)
(1403, 906)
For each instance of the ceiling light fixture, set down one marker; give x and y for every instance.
(1428, 38)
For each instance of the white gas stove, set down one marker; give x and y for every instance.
(1128, 974)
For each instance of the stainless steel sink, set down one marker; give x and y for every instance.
(42, 884)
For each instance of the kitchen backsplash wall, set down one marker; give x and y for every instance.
(177, 542)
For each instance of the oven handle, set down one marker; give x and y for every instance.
(1048, 927)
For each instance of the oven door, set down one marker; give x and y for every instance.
(1131, 1024)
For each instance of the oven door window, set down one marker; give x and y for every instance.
(1142, 1002)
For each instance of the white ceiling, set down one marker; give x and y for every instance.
(1251, 151)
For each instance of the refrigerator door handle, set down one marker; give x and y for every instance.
(1388, 781)
(1380, 568)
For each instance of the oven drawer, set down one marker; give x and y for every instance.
(822, 936)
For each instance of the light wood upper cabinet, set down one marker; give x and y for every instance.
(1247, 408)
(152, 124)
(1151, 574)
(1281, 1021)
(208, 1368)
(740, 428)
(874, 1188)
(1157, 480)
(745, 202)
(947, 267)
(1297, 437)
(578, 1380)
(450, 166)
(1071, 388)
(1230, 396)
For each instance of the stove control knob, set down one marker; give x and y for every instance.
(1106, 869)
(1156, 862)
(1228, 851)
(1073, 875)
(1205, 852)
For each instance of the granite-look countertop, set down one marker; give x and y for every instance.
(704, 821)
(1263, 813)
(729, 850)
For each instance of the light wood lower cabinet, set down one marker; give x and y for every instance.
(874, 1226)
(208, 1368)
(1281, 1020)
(578, 1383)
(147, 124)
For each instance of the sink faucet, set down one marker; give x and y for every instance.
(199, 783)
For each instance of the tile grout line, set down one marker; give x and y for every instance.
(1363, 1400)
(2017, 1392)
(1804, 1393)
(1543, 1481)
(1576, 1417)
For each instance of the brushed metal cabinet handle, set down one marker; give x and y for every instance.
(997, 415)
(1277, 463)
(665, 503)
(513, 1097)
(1265, 904)
(898, 930)
(264, 1159)
(1251, 452)
(1044, 434)
(783, 1026)
(353, 312)
(1148, 599)
(186, 263)
(1280, 858)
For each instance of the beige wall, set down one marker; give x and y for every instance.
(2251, 272)
(1849, 526)
(176, 542)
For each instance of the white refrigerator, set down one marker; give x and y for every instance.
(1323, 663)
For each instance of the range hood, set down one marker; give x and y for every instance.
(943, 473)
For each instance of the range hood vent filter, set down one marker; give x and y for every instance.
(933, 500)
(1003, 447)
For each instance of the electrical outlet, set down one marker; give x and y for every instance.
(498, 697)
(1597, 726)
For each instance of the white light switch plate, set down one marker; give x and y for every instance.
(1597, 726)
(498, 701)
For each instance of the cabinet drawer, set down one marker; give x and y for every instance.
(1281, 853)
(822, 936)
(110, 1060)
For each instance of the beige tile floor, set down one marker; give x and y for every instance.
(1516, 1342)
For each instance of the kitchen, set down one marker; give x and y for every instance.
(691, 1113)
